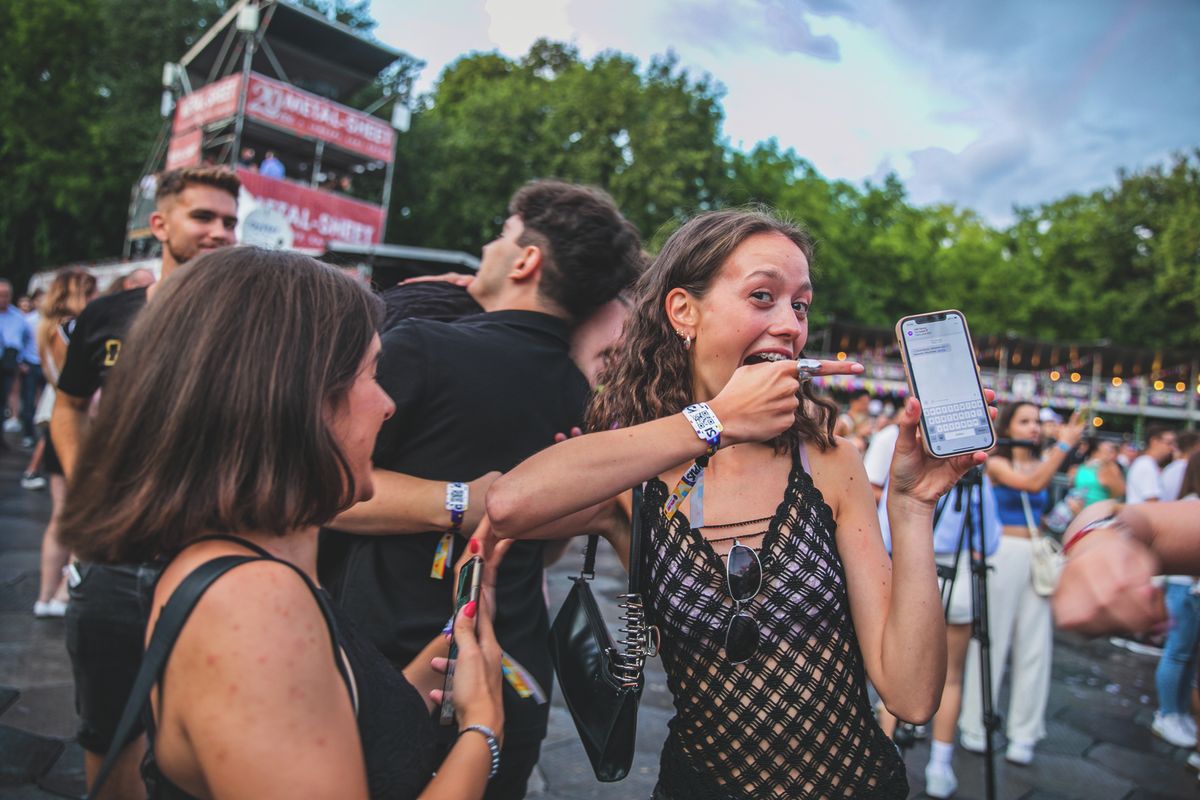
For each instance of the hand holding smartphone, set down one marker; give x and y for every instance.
(469, 580)
(939, 360)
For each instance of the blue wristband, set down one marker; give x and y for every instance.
(1066, 448)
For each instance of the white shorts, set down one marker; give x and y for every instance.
(960, 593)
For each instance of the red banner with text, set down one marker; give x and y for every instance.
(288, 108)
(208, 104)
(309, 115)
(316, 218)
(184, 149)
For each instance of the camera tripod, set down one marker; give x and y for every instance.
(967, 496)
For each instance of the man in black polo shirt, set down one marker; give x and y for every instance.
(475, 396)
(195, 212)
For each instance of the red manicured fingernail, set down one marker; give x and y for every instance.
(469, 610)
(473, 546)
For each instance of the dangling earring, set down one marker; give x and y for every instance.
(687, 339)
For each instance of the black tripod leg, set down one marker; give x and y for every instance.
(982, 633)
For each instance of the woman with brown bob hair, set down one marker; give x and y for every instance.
(241, 416)
(769, 582)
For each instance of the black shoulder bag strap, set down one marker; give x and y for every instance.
(166, 631)
(640, 638)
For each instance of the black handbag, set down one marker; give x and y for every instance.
(601, 683)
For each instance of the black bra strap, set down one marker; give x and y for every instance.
(154, 660)
(224, 537)
(170, 625)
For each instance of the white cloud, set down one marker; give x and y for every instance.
(984, 105)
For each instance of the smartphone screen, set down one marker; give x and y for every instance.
(468, 589)
(941, 368)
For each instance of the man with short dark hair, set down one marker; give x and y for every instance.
(1143, 484)
(195, 212)
(1187, 444)
(474, 397)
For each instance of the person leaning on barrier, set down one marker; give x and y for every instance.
(269, 690)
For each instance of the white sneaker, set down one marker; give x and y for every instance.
(972, 742)
(33, 482)
(1189, 723)
(12, 425)
(940, 781)
(1194, 760)
(51, 608)
(1019, 753)
(1170, 728)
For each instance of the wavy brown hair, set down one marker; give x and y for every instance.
(649, 376)
(216, 418)
(69, 292)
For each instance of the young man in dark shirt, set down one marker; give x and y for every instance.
(474, 397)
(195, 212)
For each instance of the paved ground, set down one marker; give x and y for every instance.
(1099, 745)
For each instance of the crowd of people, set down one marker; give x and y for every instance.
(252, 463)
(1043, 466)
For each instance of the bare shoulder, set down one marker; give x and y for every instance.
(838, 463)
(837, 472)
(997, 466)
(254, 613)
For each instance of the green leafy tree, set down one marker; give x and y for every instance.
(648, 136)
(79, 98)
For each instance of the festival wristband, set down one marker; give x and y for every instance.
(1066, 448)
(521, 680)
(1095, 525)
(708, 428)
(458, 500)
(706, 425)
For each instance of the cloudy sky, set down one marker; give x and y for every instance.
(981, 103)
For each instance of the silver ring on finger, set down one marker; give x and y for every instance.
(806, 368)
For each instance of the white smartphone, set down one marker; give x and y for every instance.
(940, 362)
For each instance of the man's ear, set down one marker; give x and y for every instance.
(682, 311)
(158, 225)
(527, 265)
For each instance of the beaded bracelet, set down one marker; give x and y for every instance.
(492, 743)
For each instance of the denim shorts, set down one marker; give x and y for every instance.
(106, 628)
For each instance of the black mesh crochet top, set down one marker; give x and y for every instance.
(792, 722)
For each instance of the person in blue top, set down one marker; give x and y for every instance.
(271, 166)
(1019, 618)
(16, 339)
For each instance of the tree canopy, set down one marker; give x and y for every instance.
(79, 95)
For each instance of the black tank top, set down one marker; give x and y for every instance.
(396, 730)
(795, 720)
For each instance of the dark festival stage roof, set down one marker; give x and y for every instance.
(316, 54)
